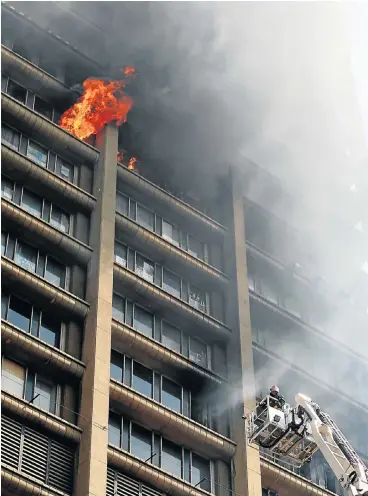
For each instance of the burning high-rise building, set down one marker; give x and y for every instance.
(136, 329)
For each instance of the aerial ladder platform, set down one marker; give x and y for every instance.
(300, 431)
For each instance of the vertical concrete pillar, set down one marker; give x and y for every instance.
(246, 463)
(92, 468)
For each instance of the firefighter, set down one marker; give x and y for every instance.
(276, 398)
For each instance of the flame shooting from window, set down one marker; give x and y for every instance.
(100, 103)
(133, 161)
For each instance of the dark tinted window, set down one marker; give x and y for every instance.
(17, 91)
(142, 379)
(19, 313)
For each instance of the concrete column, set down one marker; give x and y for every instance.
(92, 468)
(247, 470)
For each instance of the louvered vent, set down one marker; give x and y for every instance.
(11, 433)
(37, 455)
(61, 467)
(119, 484)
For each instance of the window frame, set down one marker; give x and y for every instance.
(29, 142)
(44, 101)
(21, 86)
(178, 329)
(14, 130)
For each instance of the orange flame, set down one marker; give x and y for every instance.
(100, 103)
(132, 163)
(128, 71)
(120, 157)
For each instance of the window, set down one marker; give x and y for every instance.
(171, 233)
(122, 204)
(49, 330)
(145, 217)
(198, 352)
(42, 107)
(19, 313)
(11, 137)
(31, 203)
(171, 395)
(142, 379)
(171, 283)
(171, 458)
(64, 170)
(171, 337)
(121, 254)
(201, 474)
(44, 394)
(13, 377)
(197, 298)
(118, 308)
(37, 153)
(60, 219)
(196, 248)
(140, 442)
(114, 429)
(7, 188)
(26, 256)
(144, 268)
(17, 91)
(116, 366)
(3, 242)
(143, 321)
(55, 272)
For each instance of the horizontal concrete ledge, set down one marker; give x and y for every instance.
(175, 258)
(150, 474)
(169, 306)
(33, 77)
(157, 356)
(19, 484)
(46, 183)
(38, 351)
(187, 214)
(51, 423)
(23, 281)
(27, 226)
(46, 132)
(173, 426)
(287, 483)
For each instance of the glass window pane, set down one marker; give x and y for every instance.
(171, 336)
(195, 247)
(142, 379)
(198, 352)
(145, 218)
(201, 474)
(50, 330)
(141, 442)
(47, 395)
(43, 107)
(55, 272)
(118, 308)
(60, 219)
(17, 91)
(171, 458)
(115, 429)
(116, 366)
(3, 242)
(31, 203)
(7, 188)
(12, 377)
(170, 232)
(143, 321)
(65, 170)
(11, 137)
(37, 153)
(19, 313)
(121, 252)
(171, 395)
(171, 283)
(197, 298)
(26, 256)
(122, 204)
(144, 268)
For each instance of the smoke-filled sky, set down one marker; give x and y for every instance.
(282, 84)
